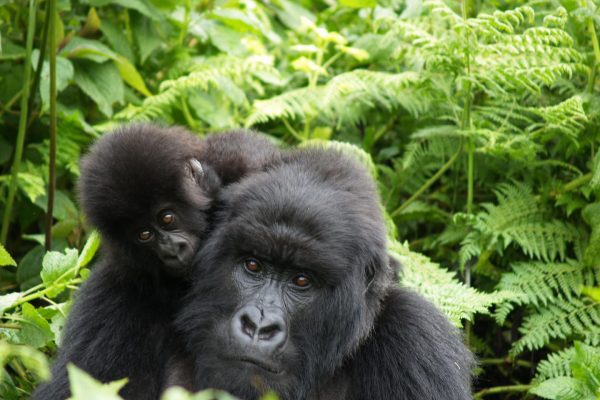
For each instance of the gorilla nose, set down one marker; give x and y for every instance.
(263, 329)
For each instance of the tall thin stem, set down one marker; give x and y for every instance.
(465, 125)
(16, 165)
(40, 63)
(52, 164)
(594, 38)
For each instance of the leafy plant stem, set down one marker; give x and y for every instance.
(8, 105)
(52, 163)
(42, 293)
(291, 129)
(505, 361)
(186, 113)
(16, 165)
(429, 182)
(502, 389)
(40, 63)
(10, 326)
(186, 22)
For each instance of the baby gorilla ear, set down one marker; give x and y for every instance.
(203, 176)
(195, 170)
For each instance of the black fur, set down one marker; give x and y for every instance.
(121, 322)
(352, 334)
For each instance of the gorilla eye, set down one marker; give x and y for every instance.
(301, 280)
(252, 265)
(145, 236)
(167, 218)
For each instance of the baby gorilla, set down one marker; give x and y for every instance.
(294, 292)
(148, 190)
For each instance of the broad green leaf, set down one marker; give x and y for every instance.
(64, 74)
(63, 209)
(31, 185)
(58, 268)
(87, 49)
(35, 330)
(117, 39)
(131, 75)
(102, 82)
(33, 360)
(8, 300)
(142, 6)
(85, 387)
(92, 24)
(291, 14)
(358, 3)
(226, 39)
(592, 292)
(236, 19)
(5, 258)
(28, 271)
(89, 250)
(359, 54)
(145, 35)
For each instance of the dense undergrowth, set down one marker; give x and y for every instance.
(479, 119)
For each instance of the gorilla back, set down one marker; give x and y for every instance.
(293, 292)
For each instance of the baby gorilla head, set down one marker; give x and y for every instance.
(148, 195)
(291, 281)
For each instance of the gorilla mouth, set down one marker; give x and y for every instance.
(260, 364)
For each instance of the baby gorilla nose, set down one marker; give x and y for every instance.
(263, 330)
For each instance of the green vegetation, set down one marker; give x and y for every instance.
(479, 119)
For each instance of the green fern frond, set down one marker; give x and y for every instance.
(440, 286)
(351, 90)
(507, 53)
(572, 374)
(203, 76)
(519, 218)
(557, 364)
(567, 118)
(540, 284)
(348, 149)
(578, 318)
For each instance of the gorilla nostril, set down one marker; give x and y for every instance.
(248, 327)
(268, 332)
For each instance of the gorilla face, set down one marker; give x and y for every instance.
(284, 287)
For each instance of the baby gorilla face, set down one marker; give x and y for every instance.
(166, 235)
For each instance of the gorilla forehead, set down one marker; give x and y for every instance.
(289, 213)
(141, 165)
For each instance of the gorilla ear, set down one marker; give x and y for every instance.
(370, 273)
(195, 170)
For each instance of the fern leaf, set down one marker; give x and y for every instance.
(456, 300)
(579, 318)
(355, 90)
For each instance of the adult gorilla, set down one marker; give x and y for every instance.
(294, 293)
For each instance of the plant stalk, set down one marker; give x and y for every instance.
(40, 63)
(52, 164)
(429, 182)
(16, 165)
(502, 389)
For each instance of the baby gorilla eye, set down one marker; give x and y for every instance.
(252, 265)
(301, 281)
(167, 218)
(145, 236)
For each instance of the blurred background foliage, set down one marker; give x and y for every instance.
(479, 119)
